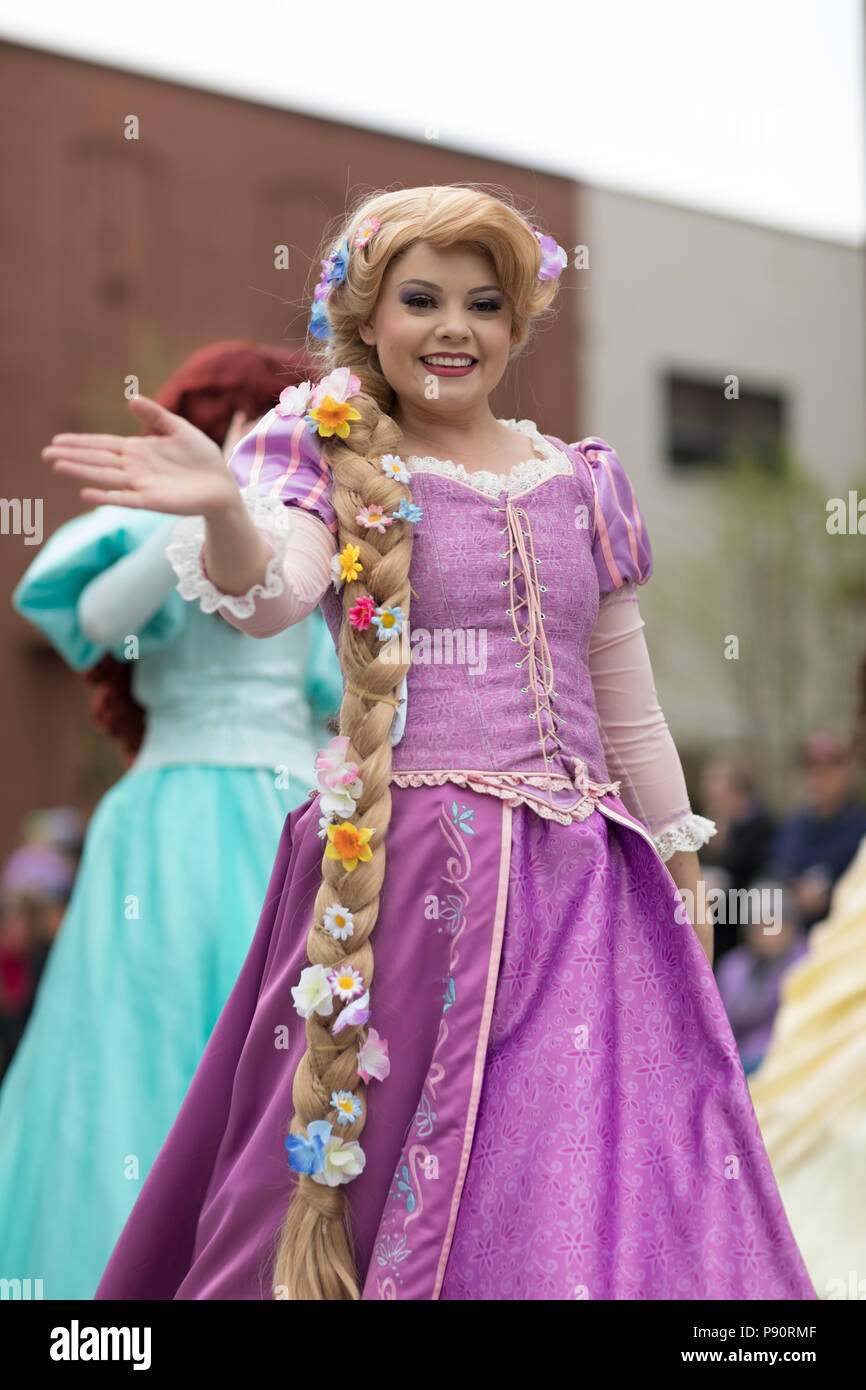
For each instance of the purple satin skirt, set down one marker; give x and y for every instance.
(566, 1114)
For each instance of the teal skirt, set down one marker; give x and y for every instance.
(170, 888)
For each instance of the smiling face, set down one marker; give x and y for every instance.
(445, 305)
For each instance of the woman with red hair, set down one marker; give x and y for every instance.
(221, 729)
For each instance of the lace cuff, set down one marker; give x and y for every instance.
(690, 833)
(184, 553)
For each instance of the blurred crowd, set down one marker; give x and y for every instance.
(36, 883)
(775, 876)
(773, 880)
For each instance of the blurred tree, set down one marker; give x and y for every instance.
(768, 573)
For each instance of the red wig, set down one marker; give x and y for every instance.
(208, 389)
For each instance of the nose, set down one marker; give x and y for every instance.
(454, 324)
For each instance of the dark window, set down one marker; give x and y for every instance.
(704, 426)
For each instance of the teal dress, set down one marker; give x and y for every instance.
(170, 888)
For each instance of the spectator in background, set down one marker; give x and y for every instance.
(749, 977)
(35, 886)
(61, 827)
(745, 829)
(816, 845)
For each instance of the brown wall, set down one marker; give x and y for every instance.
(121, 256)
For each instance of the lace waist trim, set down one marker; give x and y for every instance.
(514, 788)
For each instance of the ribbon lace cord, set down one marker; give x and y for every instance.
(533, 634)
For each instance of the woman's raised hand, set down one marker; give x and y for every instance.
(173, 468)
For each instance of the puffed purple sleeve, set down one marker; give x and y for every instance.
(285, 484)
(620, 545)
(282, 457)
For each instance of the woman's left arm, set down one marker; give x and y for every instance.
(640, 752)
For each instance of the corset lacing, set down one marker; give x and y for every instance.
(534, 638)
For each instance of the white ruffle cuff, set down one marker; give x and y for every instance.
(689, 833)
(184, 553)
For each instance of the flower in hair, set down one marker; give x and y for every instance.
(348, 843)
(394, 466)
(350, 563)
(334, 268)
(408, 511)
(367, 229)
(374, 518)
(335, 774)
(361, 613)
(347, 1106)
(373, 1060)
(338, 804)
(336, 573)
(294, 399)
(342, 1161)
(308, 1155)
(354, 1014)
(340, 383)
(388, 618)
(332, 417)
(339, 783)
(313, 995)
(319, 324)
(553, 256)
(333, 273)
(339, 922)
(346, 982)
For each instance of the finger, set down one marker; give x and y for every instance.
(80, 455)
(112, 442)
(103, 475)
(155, 416)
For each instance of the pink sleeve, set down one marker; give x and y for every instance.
(620, 544)
(306, 574)
(638, 747)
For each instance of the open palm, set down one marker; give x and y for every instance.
(173, 468)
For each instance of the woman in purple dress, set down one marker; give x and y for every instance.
(493, 953)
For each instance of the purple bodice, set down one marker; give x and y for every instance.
(506, 595)
(500, 680)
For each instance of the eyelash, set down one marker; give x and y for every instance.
(494, 305)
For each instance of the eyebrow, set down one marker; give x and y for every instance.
(428, 284)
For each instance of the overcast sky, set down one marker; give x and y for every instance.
(754, 108)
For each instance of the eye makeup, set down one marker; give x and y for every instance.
(411, 298)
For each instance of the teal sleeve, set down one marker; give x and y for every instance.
(47, 594)
(324, 678)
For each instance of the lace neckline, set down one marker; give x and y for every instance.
(520, 476)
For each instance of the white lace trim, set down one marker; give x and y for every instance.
(526, 474)
(510, 787)
(184, 549)
(691, 833)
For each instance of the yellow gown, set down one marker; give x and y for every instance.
(810, 1093)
